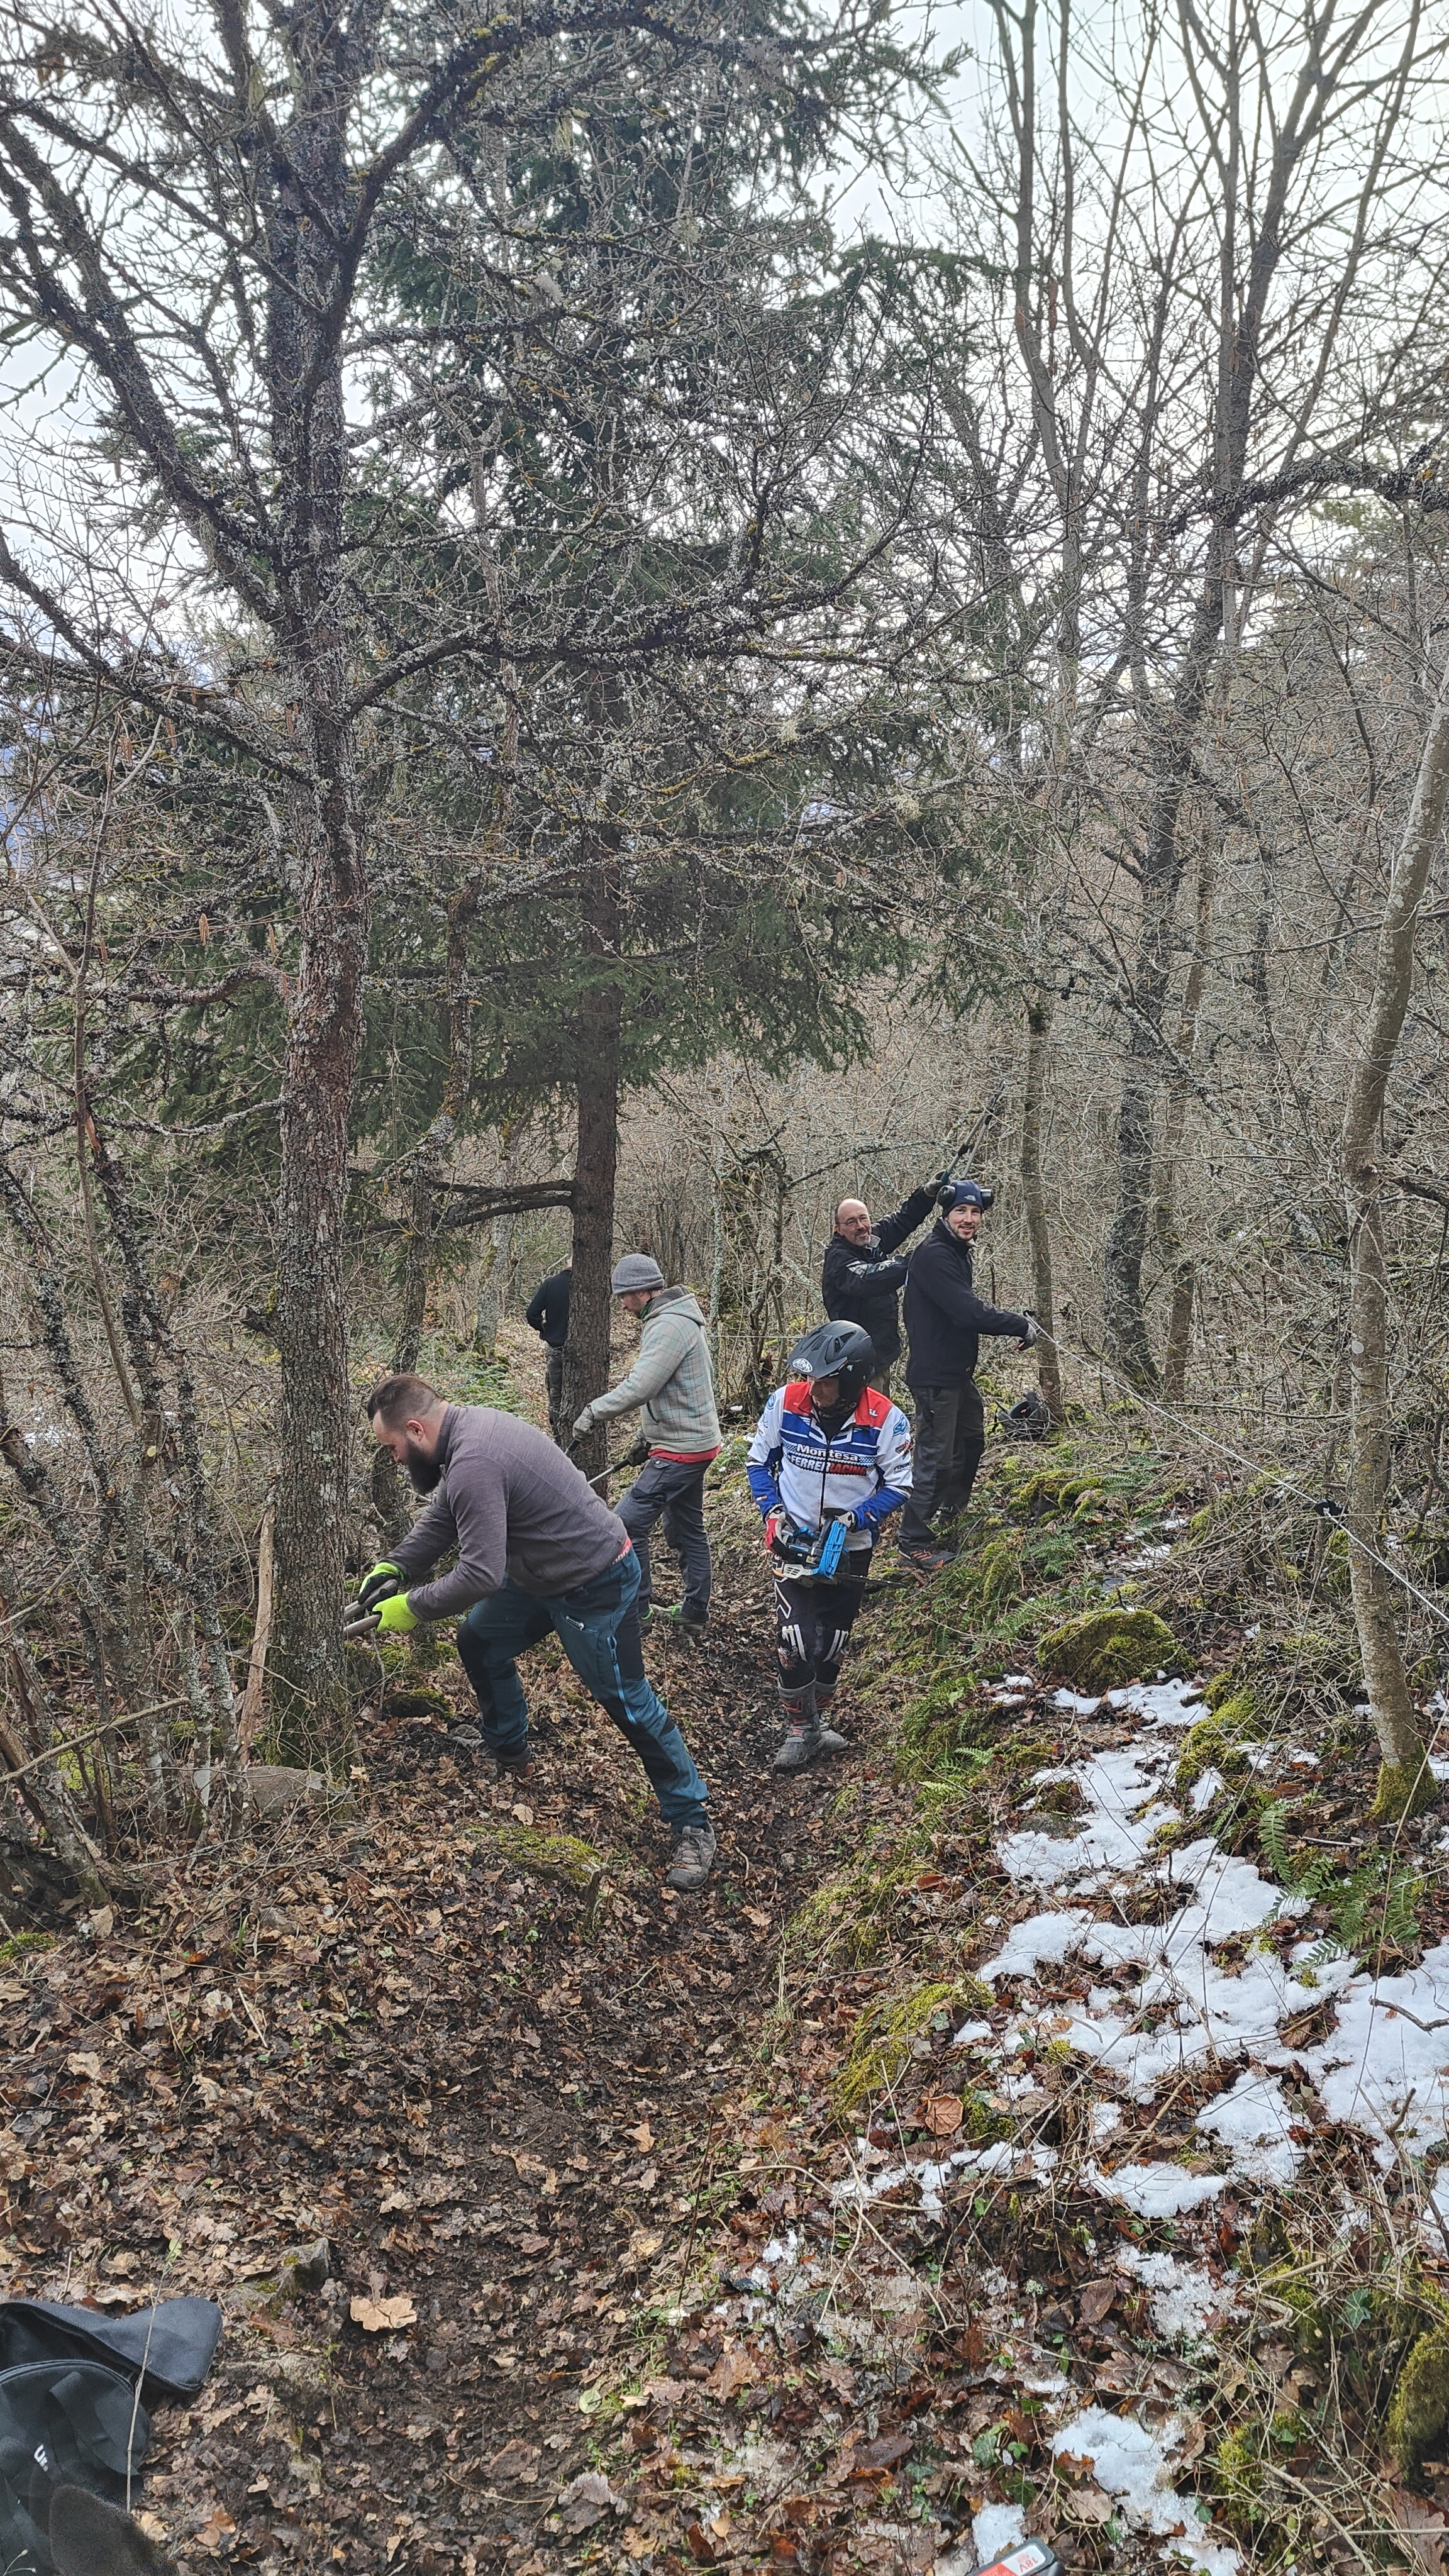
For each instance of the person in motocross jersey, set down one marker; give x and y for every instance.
(829, 1450)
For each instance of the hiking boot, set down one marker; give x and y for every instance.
(688, 1620)
(927, 1560)
(514, 1766)
(692, 1857)
(804, 1743)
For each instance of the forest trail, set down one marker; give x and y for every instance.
(1023, 2131)
(497, 2096)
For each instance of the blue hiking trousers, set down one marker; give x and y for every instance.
(598, 1626)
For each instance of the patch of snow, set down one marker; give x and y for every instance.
(997, 2527)
(1121, 1814)
(1184, 2296)
(1381, 2071)
(1253, 2122)
(1155, 2191)
(1204, 1790)
(1017, 1681)
(1042, 1936)
(1106, 2116)
(970, 2032)
(1131, 2464)
(1073, 1701)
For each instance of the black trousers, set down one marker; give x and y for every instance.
(949, 1446)
(813, 1622)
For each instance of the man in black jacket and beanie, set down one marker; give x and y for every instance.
(944, 1320)
(859, 1283)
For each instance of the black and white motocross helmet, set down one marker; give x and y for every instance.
(843, 1351)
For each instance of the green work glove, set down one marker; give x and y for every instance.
(377, 1583)
(395, 1618)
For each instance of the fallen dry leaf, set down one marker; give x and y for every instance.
(643, 2137)
(85, 2062)
(735, 2368)
(1425, 2529)
(216, 2530)
(943, 2116)
(1087, 2505)
(1094, 2299)
(383, 2316)
(585, 2500)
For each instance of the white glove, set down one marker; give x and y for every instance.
(585, 1422)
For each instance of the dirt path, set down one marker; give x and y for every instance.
(497, 2096)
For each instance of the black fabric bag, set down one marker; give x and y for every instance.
(78, 2423)
(171, 2346)
(71, 2413)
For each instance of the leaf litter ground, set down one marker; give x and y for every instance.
(923, 2182)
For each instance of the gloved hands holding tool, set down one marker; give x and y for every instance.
(381, 1603)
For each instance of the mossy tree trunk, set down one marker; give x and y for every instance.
(1406, 1783)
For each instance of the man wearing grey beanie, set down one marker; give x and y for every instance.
(673, 1383)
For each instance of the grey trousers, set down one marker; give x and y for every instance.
(949, 1445)
(674, 1493)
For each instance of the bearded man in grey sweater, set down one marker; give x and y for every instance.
(672, 1383)
(536, 1552)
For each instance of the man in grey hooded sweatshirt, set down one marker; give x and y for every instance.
(673, 1382)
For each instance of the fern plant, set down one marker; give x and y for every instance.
(1375, 1907)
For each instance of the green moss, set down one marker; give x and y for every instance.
(1222, 1687)
(1404, 1789)
(1101, 1649)
(1310, 2326)
(1217, 1743)
(880, 2048)
(1419, 2408)
(847, 1915)
(556, 1856)
(21, 1945)
(419, 1703)
(1238, 2474)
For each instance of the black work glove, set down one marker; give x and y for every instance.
(636, 1456)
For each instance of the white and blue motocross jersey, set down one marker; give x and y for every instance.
(865, 1470)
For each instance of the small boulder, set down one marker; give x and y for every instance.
(1105, 1648)
(274, 1788)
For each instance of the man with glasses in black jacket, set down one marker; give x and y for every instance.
(861, 1284)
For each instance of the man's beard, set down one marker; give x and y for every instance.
(424, 1473)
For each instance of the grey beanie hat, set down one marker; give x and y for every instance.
(636, 1270)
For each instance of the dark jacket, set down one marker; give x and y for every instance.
(548, 1309)
(858, 1283)
(944, 1315)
